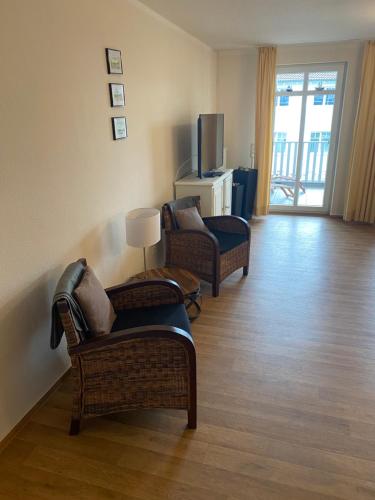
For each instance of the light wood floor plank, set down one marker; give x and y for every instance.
(18, 481)
(141, 484)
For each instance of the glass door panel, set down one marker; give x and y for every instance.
(322, 80)
(290, 82)
(316, 145)
(285, 149)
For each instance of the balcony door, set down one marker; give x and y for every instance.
(306, 122)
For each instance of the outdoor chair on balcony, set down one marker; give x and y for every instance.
(217, 250)
(146, 360)
(286, 184)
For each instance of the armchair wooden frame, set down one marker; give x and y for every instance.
(199, 252)
(144, 367)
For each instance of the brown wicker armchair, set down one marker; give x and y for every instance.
(212, 255)
(147, 361)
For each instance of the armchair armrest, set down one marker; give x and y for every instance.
(228, 224)
(145, 293)
(153, 332)
(195, 242)
(195, 250)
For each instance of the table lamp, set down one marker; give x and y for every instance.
(143, 229)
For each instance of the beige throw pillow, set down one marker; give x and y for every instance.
(189, 218)
(95, 304)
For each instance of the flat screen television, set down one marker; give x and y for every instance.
(210, 144)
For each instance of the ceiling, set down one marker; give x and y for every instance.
(225, 24)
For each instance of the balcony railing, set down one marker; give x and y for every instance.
(314, 160)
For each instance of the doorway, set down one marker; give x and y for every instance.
(307, 112)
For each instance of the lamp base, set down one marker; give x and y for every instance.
(144, 259)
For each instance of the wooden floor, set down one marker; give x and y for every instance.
(286, 381)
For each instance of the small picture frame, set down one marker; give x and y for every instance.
(119, 128)
(117, 94)
(114, 61)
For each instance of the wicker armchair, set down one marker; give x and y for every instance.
(144, 362)
(212, 255)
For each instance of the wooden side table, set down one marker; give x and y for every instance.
(189, 284)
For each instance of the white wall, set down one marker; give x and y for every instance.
(236, 98)
(65, 185)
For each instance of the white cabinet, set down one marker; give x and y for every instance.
(227, 196)
(215, 192)
(218, 198)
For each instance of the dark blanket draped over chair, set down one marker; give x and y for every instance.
(146, 361)
(64, 291)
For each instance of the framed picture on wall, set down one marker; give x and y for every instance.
(114, 61)
(117, 94)
(119, 128)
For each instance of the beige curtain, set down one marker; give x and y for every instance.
(360, 205)
(266, 77)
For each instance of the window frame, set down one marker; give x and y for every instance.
(318, 100)
(284, 100)
(279, 142)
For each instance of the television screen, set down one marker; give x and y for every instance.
(210, 142)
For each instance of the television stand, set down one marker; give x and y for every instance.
(215, 192)
(212, 173)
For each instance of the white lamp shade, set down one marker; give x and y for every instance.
(143, 227)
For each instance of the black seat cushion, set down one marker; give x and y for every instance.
(227, 241)
(171, 315)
